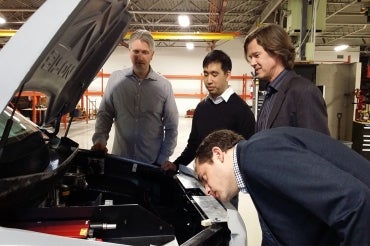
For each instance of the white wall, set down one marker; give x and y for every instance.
(175, 60)
(179, 61)
(336, 57)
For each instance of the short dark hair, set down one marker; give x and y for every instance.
(218, 56)
(224, 139)
(275, 41)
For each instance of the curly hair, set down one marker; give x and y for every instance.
(224, 139)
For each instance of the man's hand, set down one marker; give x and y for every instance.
(168, 166)
(99, 147)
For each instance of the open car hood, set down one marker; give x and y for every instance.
(60, 49)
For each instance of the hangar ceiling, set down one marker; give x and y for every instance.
(215, 21)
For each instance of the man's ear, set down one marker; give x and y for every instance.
(152, 55)
(228, 75)
(217, 153)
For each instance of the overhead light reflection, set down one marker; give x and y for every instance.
(184, 20)
(341, 47)
(190, 46)
(2, 19)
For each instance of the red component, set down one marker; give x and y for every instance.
(360, 104)
(70, 228)
(189, 113)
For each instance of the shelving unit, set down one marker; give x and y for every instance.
(198, 88)
(36, 114)
(361, 124)
(201, 94)
(87, 104)
(90, 106)
(196, 78)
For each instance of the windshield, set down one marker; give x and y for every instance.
(21, 128)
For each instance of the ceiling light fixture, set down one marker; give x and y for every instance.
(190, 46)
(184, 20)
(2, 19)
(341, 47)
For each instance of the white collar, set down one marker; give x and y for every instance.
(223, 97)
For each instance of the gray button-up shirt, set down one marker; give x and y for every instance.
(144, 113)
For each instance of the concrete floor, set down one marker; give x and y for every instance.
(81, 132)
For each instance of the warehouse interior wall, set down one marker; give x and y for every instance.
(179, 61)
(339, 81)
(326, 54)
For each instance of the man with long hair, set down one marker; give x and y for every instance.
(291, 99)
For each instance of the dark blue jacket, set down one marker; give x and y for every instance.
(308, 188)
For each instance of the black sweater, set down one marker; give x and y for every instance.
(233, 115)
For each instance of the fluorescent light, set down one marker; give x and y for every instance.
(190, 46)
(2, 19)
(341, 47)
(184, 20)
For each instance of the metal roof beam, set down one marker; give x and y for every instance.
(168, 13)
(271, 7)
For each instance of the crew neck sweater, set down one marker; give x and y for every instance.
(234, 114)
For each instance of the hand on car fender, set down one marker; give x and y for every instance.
(168, 166)
(99, 147)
